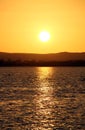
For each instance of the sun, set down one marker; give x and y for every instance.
(44, 36)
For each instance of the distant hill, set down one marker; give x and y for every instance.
(63, 56)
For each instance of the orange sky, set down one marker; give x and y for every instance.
(21, 21)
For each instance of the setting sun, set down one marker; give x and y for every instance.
(42, 26)
(44, 36)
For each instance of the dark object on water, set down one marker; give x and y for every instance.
(83, 79)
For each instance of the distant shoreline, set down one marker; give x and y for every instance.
(10, 63)
(55, 59)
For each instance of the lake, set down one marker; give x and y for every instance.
(42, 98)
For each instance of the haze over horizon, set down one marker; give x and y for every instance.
(21, 22)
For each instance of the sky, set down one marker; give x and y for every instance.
(21, 22)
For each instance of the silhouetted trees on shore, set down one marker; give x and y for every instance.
(9, 63)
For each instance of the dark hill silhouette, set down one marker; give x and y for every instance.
(28, 59)
(63, 56)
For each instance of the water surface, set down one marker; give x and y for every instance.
(42, 98)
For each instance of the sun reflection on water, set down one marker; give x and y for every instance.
(44, 100)
(44, 72)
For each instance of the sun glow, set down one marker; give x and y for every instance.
(44, 36)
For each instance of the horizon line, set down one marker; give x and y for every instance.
(39, 53)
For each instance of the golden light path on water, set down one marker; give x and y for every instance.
(44, 100)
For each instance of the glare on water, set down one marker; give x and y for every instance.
(42, 98)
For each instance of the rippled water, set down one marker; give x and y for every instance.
(42, 98)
